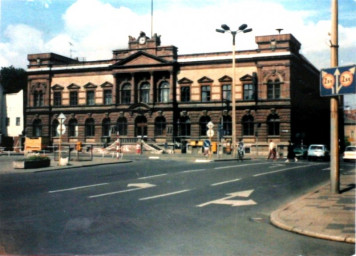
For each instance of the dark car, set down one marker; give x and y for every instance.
(301, 151)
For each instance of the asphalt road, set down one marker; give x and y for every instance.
(159, 207)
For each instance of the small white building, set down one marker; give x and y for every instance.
(2, 114)
(11, 119)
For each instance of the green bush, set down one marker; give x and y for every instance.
(37, 158)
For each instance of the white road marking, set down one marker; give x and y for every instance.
(164, 195)
(282, 170)
(138, 186)
(228, 201)
(197, 170)
(238, 165)
(153, 176)
(224, 182)
(76, 188)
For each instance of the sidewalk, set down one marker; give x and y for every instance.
(318, 214)
(322, 214)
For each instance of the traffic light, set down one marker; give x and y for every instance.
(79, 146)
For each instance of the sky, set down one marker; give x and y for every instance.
(91, 29)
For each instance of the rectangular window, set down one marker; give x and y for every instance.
(205, 93)
(73, 98)
(249, 92)
(90, 98)
(107, 97)
(185, 93)
(57, 98)
(7, 121)
(18, 121)
(226, 92)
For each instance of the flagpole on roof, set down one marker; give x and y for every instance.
(151, 18)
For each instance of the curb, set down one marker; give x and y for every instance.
(276, 221)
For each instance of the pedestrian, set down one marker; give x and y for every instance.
(272, 150)
(240, 150)
(206, 146)
(291, 154)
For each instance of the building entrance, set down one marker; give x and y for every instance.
(141, 127)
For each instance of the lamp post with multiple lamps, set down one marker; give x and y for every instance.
(225, 28)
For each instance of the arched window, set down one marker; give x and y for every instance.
(226, 125)
(55, 125)
(73, 128)
(105, 127)
(226, 92)
(273, 124)
(163, 92)
(37, 98)
(184, 126)
(160, 126)
(273, 89)
(145, 93)
(247, 125)
(204, 120)
(37, 128)
(121, 126)
(89, 127)
(126, 93)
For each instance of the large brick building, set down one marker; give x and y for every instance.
(150, 91)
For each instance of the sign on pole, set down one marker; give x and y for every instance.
(338, 81)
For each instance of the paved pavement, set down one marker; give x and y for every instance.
(319, 213)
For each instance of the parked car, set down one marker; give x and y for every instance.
(318, 151)
(350, 153)
(301, 151)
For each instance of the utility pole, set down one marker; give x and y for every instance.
(334, 105)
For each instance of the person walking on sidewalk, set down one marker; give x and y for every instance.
(291, 154)
(272, 150)
(240, 150)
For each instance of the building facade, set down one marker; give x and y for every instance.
(149, 91)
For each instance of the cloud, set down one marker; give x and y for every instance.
(22, 39)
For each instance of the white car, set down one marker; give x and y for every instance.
(318, 151)
(350, 153)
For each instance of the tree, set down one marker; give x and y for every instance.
(13, 79)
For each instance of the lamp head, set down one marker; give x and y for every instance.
(247, 30)
(243, 26)
(220, 30)
(225, 27)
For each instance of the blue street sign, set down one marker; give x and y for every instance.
(338, 81)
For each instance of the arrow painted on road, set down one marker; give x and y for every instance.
(227, 200)
(136, 186)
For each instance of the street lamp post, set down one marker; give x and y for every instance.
(225, 28)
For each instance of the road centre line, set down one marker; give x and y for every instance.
(197, 170)
(153, 176)
(164, 195)
(224, 182)
(239, 165)
(282, 170)
(76, 188)
(115, 192)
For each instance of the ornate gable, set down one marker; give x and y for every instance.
(90, 86)
(140, 58)
(225, 79)
(57, 87)
(205, 79)
(185, 81)
(246, 78)
(106, 85)
(73, 87)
